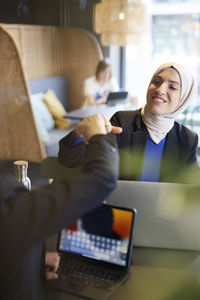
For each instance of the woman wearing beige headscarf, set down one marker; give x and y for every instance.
(169, 93)
(153, 146)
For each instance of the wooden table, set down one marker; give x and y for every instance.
(108, 110)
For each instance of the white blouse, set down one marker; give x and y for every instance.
(96, 90)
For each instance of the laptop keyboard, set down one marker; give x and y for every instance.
(107, 249)
(86, 274)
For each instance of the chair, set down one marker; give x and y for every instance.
(19, 138)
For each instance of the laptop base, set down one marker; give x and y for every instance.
(86, 283)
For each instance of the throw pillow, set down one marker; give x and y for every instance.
(42, 111)
(42, 130)
(56, 109)
(42, 115)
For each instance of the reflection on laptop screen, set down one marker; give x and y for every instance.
(103, 234)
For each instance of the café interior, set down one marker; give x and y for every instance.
(47, 49)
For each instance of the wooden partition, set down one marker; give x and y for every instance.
(50, 51)
(19, 138)
(31, 52)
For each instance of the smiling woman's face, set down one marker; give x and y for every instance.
(164, 92)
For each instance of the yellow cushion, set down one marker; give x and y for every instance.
(56, 109)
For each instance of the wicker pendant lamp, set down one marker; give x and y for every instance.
(120, 22)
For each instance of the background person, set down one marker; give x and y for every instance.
(97, 88)
(153, 146)
(27, 217)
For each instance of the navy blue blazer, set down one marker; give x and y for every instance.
(180, 148)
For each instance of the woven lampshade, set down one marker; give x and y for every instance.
(120, 22)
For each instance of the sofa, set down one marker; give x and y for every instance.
(60, 86)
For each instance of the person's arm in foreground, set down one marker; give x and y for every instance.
(28, 217)
(73, 151)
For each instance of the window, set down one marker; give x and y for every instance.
(174, 36)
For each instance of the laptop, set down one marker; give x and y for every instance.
(116, 97)
(168, 213)
(96, 252)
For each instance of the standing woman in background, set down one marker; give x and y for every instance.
(97, 88)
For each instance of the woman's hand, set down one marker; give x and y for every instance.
(93, 125)
(52, 260)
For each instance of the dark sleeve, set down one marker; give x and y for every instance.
(28, 217)
(126, 119)
(71, 155)
(115, 119)
(193, 151)
(74, 156)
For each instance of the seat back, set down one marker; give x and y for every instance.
(19, 138)
(60, 86)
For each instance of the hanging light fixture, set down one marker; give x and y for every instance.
(120, 22)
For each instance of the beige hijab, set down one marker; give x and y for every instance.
(159, 125)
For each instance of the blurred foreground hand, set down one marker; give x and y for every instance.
(52, 260)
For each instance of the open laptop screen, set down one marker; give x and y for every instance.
(104, 234)
(121, 95)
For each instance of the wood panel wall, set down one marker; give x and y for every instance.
(50, 51)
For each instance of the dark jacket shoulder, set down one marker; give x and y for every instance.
(127, 119)
(185, 134)
(180, 147)
(187, 142)
(133, 120)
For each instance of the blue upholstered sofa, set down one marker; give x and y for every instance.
(60, 86)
